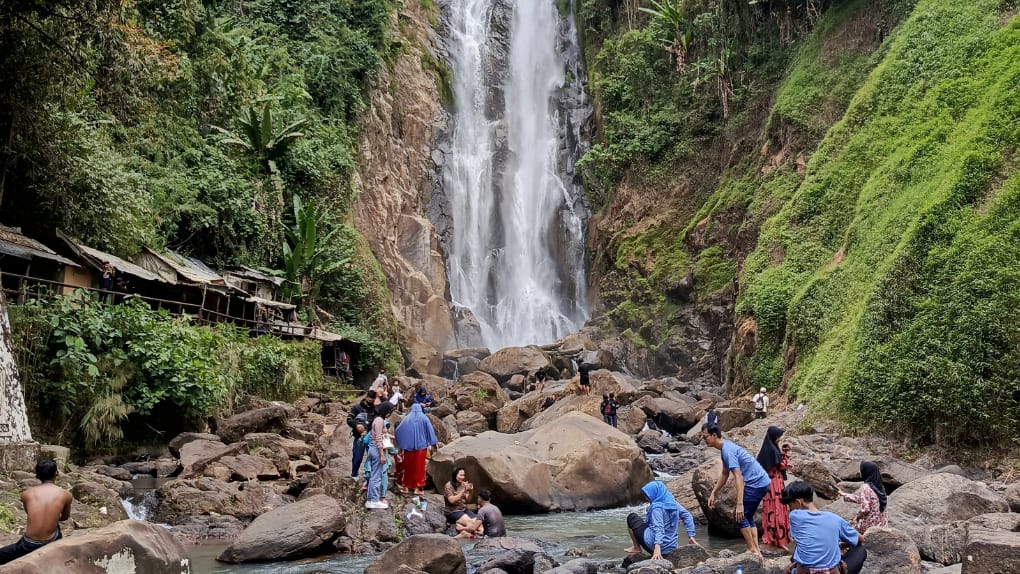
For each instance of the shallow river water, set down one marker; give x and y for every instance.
(601, 534)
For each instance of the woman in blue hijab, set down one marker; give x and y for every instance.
(414, 436)
(657, 531)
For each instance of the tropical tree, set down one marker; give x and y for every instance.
(307, 257)
(673, 15)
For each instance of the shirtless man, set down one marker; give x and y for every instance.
(46, 505)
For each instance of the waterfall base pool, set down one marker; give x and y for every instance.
(601, 534)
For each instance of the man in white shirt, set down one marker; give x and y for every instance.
(761, 404)
(381, 386)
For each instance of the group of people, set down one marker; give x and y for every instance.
(457, 494)
(405, 451)
(788, 512)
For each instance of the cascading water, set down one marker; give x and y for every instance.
(515, 250)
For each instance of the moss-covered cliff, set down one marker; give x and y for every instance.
(835, 198)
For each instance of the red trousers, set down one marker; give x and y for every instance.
(414, 469)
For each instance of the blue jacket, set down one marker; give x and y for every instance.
(663, 518)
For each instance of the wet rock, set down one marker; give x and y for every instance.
(676, 463)
(727, 562)
(432, 553)
(652, 441)
(576, 462)
(650, 567)
(992, 552)
(268, 419)
(196, 529)
(520, 560)
(890, 551)
(100, 497)
(941, 498)
(428, 521)
(126, 547)
(140, 468)
(507, 543)
(300, 529)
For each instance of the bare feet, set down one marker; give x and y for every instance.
(633, 550)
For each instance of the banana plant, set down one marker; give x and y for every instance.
(307, 257)
(673, 14)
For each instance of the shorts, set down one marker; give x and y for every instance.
(25, 546)
(637, 525)
(455, 515)
(752, 498)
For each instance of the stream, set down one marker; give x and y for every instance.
(600, 534)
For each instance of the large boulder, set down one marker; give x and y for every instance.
(291, 531)
(470, 423)
(815, 473)
(431, 553)
(576, 462)
(182, 499)
(511, 361)
(200, 449)
(100, 497)
(292, 447)
(652, 441)
(267, 419)
(1013, 496)
(587, 404)
(946, 543)
(992, 552)
(733, 417)
(248, 467)
(720, 520)
(675, 417)
(479, 392)
(125, 547)
(185, 437)
(944, 497)
(890, 551)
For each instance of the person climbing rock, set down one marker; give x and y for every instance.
(750, 479)
(359, 419)
(656, 533)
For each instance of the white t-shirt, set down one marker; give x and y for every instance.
(397, 396)
(764, 402)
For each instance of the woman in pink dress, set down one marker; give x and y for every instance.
(871, 499)
(775, 519)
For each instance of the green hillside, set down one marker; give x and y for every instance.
(872, 215)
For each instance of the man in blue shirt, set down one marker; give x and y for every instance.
(818, 534)
(749, 478)
(657, 532)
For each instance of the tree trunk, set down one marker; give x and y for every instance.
(13, 417)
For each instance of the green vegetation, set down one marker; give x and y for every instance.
(197, 124)
(895, 280)
(76, 357)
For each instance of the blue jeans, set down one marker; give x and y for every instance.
(752, 498)
(375, 480)
(359, 455)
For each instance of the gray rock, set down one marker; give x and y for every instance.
(1013, 496)
(431, 553)
(268, 419)
(941, 498)
(992, 552)
(890, 551)
(292, 531)
(185, 437)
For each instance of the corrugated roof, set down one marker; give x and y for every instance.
(249, 273)
(191, 269)
(269, 303)
(121, 265)
(13, 243)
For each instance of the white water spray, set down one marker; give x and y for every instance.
(516, 252)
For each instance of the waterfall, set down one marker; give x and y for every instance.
(515, 248)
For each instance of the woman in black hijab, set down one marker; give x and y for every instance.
(775, 518)
(871, 499)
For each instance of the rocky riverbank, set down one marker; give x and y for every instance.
(273, 479)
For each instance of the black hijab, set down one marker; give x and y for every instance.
(770, 455)
(873, 478)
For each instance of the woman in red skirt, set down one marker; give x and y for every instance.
(414, 436)
(775, 519)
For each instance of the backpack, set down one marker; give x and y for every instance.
(607, 408)
(759, 402)
(712, 419)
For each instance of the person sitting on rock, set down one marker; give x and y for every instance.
(749, 478)
(489, 523)
(46, 505)
(657, 531)
(456, 493)
(423, 398)
(818, 535)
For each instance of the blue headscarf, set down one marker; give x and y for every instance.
(415, 432)
(660, 496)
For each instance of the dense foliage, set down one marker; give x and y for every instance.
(878, 219)
(77, 357)
(194, 124)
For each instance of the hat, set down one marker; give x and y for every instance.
(762, 390)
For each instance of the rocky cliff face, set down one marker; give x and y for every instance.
(395, 180)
